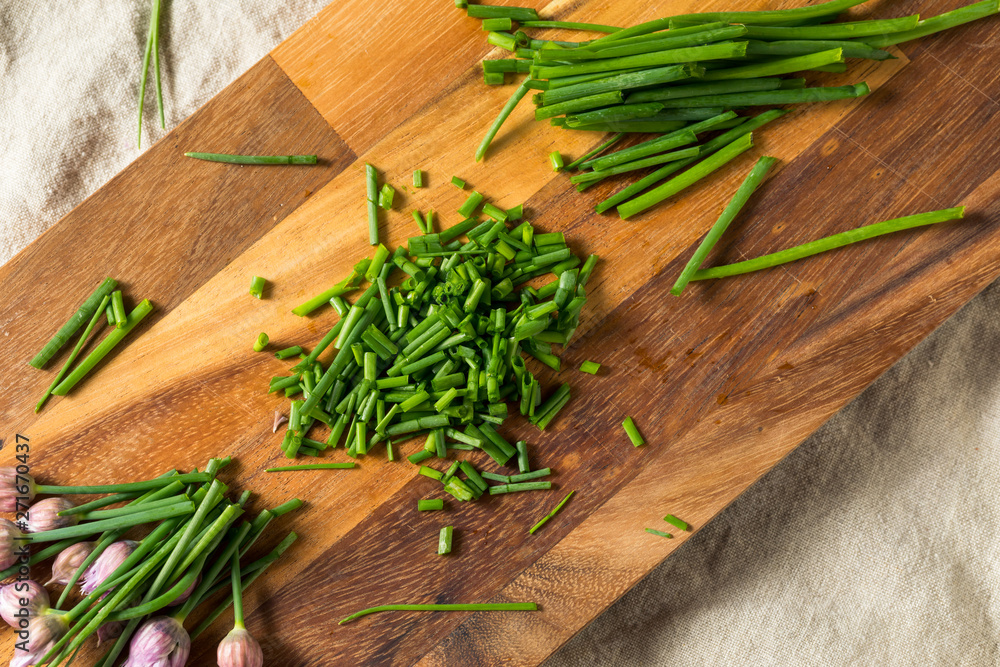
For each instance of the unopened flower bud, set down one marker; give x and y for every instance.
(21, 601)
(239, 649)
(13, 487)
(161, 641)
(105, 564)
(43, 632)
(68, 562)
(44, 515)
(11, 544)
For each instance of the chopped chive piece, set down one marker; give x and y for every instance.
(471, 204)
(519, 14)
(750, 184)
(590, 367)
(504, 479)
(528, 476)
(314, 466)
(293, 351)
(556, 159)
(261, 342)
(498, 24)
(254, 159)
(422, 455)
(522, 456)
(78, 319)
(418, 178)
(103, 348)
(386, 196)
(371, 181)
(118, 306)
(830, 242)
(522, 486)
(257, 285)
(444, 540)
(109, 313)
(633, 432)
(489, 606)
(430, 504)
(551, 514)
(674, 521)
(458, 182)
(661, 533)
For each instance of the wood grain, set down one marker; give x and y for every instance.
(724, 382)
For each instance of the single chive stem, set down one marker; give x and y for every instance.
(94, 527)
(661, 533)
(551, 514)
(103, 348)
(237, 591)
(518, 95)
(253, 159)
(750, 184)
(77, 320)
(830, 242)
(490, 606)
(130, 487)
(589, 155)
(314, 466)
(570, 25)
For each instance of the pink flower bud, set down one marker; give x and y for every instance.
(43, 632)
(21, 601)
(160, 642)
(68, 561)
(10, 543)
(44, 515)
(105, 564)
(239, 649)
(10, 485)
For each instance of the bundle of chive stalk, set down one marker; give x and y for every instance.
(152, 51)
(682, 76)
(440, 352)
(105, 301)
(191, 553)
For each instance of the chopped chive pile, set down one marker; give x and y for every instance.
(683, 76)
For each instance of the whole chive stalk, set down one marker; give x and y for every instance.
(750, 184)
(83, 314)
(690, 54)
(776, 67)
(489, 606)
(84, 337)
(632, 431)
(253, 159)
(830, 242)
(570, 25)
(103, 348)
(951, 19)
(551, 514)
(257, 285)
(759, 98)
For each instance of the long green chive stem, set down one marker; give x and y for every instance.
(759, 98)
(619, 82)
(157, 6)
(794, 47)
(314, 466)
(750, 184)
(661, 533)
(490, 606)
(951, 19)
(659, 144)
(83, 314)
(709, 88)
(518, 95)
(846, 30)
(673, 156)
(153, 17)
(103, 348)
(688, 178)
(94, 527)
(84, 337)
(668, 57)
(591, 154)
(132, 509)
(253, 159)
(570, 25)
(775, 67)
(668, 41)
(831, 242)
(551, 514)
(633, 432)
(519, 14)
(521, 486)
(671, 519)
(130, 487)
(237, 592)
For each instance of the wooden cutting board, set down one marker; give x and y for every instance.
(724, 381)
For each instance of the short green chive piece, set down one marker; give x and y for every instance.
(444, 540)
(371, 185)
(674, 521)
(418, 178)
(257, 285)
(661, 533)
(556, 159)
(118, 306)
(458, 182)
(551, 514)
(633, 432)
(261, 342)
(386, 196)
(430, 504)
(590, 367)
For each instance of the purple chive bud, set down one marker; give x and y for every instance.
(44, 515)
(68, 562)
(188, 591)
(105, 564)
(160, 642)
(42, 633)
(239, 649)
(10, 543)
(279, 419)
(21, 601)
(10, 485)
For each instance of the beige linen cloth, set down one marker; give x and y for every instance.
(875, 543)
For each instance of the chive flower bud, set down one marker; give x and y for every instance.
(11, 487)
(21, 601)
(42, 634)
(110, 630)
(44, 515)
(68, 561)
(106, 563)
(239, 649)
(188, 591)
(9, 546)
(161, 641)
